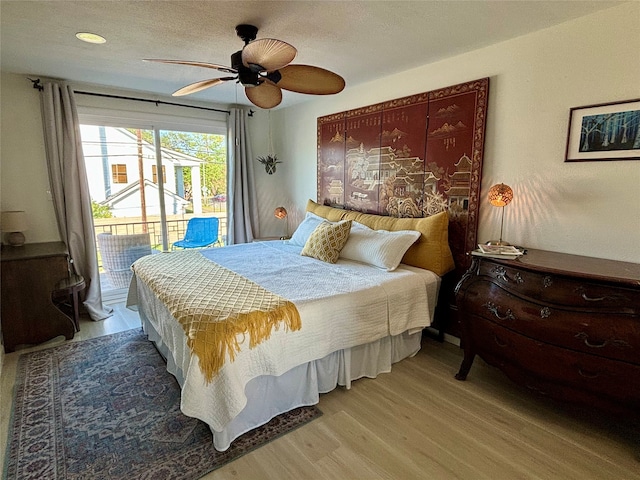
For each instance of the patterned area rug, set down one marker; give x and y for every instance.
(107, 408)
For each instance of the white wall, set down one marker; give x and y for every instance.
(272, 189)
(589, 208)
(23, 168)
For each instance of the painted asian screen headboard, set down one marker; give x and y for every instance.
(410, 157)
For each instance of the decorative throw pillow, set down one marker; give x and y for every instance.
(380, 248)
(327, 240)
(304, 230)
(431, 251)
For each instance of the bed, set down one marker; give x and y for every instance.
(350, 319)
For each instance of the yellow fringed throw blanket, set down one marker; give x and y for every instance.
(215, 306)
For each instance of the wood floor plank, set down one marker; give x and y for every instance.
(278, 459)
(382, 458)
(539, 438)
(594, 433)
(458, 444)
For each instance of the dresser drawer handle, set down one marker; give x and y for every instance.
(587, 374)
(615, 343)
(499, 342)
(590, 299)
(585, 338)
(616, 297)
(493, 308)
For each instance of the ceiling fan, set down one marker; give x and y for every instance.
(263, 68)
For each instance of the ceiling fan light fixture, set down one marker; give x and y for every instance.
(248, 78)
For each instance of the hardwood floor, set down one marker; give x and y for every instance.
(418, 422)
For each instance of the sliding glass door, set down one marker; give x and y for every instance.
(149, 181)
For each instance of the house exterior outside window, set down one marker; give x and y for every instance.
(123, 164)
(119, 173)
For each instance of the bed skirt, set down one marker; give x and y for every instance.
(269, 396)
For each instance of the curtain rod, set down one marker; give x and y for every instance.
(37, 85)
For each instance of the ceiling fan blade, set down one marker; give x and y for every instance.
(201, 85)
(221, 68)
(267, 54)
(266, 95)
(310, 80)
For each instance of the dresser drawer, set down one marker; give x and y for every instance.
(561, 290)
(553, 365)
(611, 335)
(566, 326)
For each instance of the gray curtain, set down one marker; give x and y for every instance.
(70, 190)
(243, 217)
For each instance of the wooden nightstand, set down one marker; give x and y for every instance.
(564, 326)
(30, 274)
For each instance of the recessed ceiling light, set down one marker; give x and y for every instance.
(90, 37)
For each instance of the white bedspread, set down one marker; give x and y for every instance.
(340, 306)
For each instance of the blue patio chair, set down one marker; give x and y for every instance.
(201, 232)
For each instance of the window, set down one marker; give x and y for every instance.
(194, 173)
(119, 173)
(126, 150)
(154, 173)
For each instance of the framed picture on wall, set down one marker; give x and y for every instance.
(608, 131)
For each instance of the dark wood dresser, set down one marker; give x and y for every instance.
(29, 276)
(564, 326)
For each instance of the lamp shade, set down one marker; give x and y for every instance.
(500, 195)
(13, 221)
(280, 213)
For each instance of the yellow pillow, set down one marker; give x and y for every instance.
(431, 251)
(326, 241)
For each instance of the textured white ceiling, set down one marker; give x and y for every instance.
(360, 40)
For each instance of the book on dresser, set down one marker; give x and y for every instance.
(564, 326)
(498, 251)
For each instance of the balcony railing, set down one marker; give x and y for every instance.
(176, 228)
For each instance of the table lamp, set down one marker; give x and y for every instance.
(14, 222)
(500, 195)
(281, 214)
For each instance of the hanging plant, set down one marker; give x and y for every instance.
(269, 163)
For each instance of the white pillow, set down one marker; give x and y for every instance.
(380, 248)
(304, 230)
